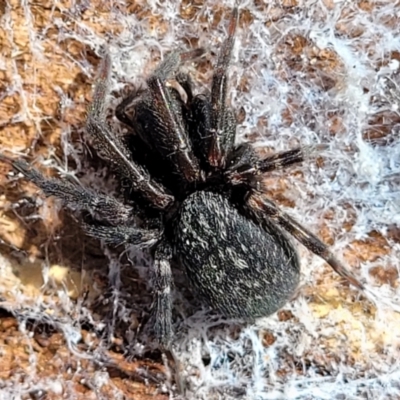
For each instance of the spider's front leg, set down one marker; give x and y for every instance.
(162, 304)
(158, 117)
(263, 209)
(111, 148)
(222, 119)
(167, 125)
(212, 122)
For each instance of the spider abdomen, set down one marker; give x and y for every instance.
(239, 268)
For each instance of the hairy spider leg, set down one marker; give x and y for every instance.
(198, 117)
(244, 165)
(223, 122)
(200, 126)
(113, 150)
(263, 209)
(123, 234)
(182, 78)
(140, 145)
(100, 206)
(168, 129)
(162, 283)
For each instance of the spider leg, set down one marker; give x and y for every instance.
(162, 306)
(223, 123)
(263, 209)
(200, 126)
(118, 235)
(245, 165)
(198, 117)
(168, 129)
(98, 205)
(111, 148)
(286, 158)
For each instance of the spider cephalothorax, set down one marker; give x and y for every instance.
(196, 195)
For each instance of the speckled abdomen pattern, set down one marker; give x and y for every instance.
(239, 268)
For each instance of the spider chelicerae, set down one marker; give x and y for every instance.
(192, 195)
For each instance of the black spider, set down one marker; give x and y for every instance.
(193, 195)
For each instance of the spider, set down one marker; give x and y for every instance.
(193, 196)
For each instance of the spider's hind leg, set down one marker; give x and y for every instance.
(262, 209)
(162, 303)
